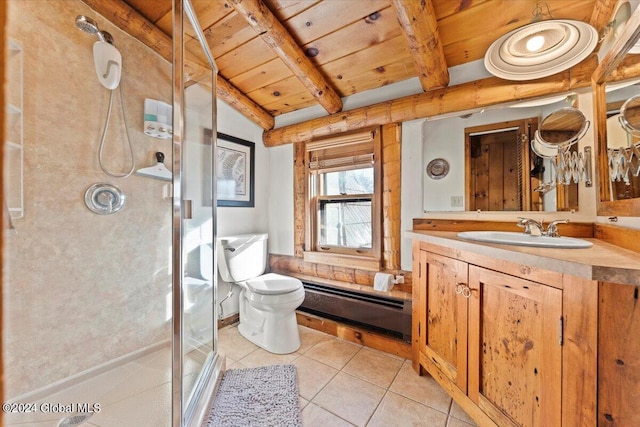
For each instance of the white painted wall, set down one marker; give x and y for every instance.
(411, 184)
(281, 210)
(233, 220)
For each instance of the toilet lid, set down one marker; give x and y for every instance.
(270, 284)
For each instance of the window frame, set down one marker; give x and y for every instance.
(337, 255)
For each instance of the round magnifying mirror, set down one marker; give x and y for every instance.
(562, 128)
(630, 115)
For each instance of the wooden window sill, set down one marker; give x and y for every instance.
(342, 260)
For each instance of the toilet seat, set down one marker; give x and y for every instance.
(273, 284)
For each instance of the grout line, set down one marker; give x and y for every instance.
(376, 408)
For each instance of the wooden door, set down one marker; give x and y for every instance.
(443, 337)
(498, 167)
(515, 354)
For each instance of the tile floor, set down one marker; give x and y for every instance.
(340, 384)
(346, 384)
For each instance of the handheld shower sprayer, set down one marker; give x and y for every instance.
(90, 26)
(106, 57)
(108, 62)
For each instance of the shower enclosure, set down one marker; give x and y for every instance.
(108, 315)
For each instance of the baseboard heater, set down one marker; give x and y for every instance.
(381, 313)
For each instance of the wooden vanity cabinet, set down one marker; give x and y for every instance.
(494, 340)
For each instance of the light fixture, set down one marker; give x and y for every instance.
(614, 28)
(569, 98)
(541, 48)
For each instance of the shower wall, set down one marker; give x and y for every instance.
(82, 289)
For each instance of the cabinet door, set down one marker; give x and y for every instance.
(618, 355)
(444, 326)
(515, 353)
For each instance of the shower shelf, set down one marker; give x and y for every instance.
(14, 156)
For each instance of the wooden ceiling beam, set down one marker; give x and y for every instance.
(467, 96)
(420, 27)
(134, 24)
(602, 13)
(278, 38)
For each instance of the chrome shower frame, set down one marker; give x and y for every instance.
(202, 395)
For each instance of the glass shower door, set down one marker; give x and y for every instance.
(196, 364)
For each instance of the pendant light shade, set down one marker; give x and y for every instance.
(540, 49)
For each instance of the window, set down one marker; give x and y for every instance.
(344, 195)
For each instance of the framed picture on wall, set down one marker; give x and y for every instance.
(235, 164)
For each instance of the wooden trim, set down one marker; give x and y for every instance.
(625, 207)
(300, 206)
(355, 334)
(391, 195)
(286, 264)
(131, 22)
(420, 27)
(234, 318)
(572, 229)
(343, 260)
(627, 238)
(376, 201)
(579, 355)
(416, 311)
(282, 43)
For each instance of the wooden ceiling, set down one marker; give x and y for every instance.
(279, 56)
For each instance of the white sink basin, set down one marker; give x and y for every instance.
(521, 239)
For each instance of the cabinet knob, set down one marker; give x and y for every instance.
(466, 292)
(463, 289)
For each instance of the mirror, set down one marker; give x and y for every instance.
(617, 197)
(623, 143)
(518, 178)
(561, 129)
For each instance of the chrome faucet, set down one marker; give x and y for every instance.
(552, 228)
(529, 224)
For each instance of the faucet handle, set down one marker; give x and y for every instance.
(527, 224)
(552, 228)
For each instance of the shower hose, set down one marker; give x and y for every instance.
(104, 136)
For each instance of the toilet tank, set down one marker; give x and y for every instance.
(242, 257)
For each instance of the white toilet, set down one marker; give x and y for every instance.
(267, 301)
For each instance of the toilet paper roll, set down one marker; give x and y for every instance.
(383, 282)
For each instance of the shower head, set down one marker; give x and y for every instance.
(90, 26)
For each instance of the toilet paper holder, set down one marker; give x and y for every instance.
(384, 282)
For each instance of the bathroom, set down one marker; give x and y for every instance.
(85, 292)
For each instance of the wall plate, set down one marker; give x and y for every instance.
(437, 168)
